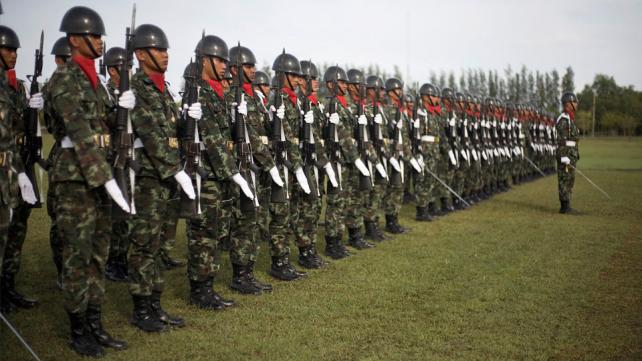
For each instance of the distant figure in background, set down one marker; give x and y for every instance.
(567, 151)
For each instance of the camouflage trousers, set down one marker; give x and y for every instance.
(305, 219)
(372, 201)
(565, 180)
(119, 244)
(5, 215)
(16, 238)
(242, 229)
(83, 217)
(203, 235)
(54, 241)
(445, 171)
(280, 215)
(168, 231)
(393, 199)
(336, 202)
(153, 209)
(354, 198)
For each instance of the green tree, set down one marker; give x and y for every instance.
(568, 80)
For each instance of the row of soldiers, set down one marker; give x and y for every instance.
(244, 157)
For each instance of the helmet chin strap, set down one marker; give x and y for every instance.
(158, 68)
(218, 78)
(91, 46)
(287, 77)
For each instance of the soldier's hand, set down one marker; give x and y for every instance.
(26, 189)
(395, 164)
(565, 160)
(36, 101)
(238, 179)
(127, 100)
(302, 180)
(415, 164)
(242, 108)
(281, 112)
(378, 119)
(422, 112)
(115, 193)
(381, 170)
(186, 184)
(276, 177)
(416, 124)
(362, 167)
(334, 118)
(400, 123)
(362, 120)
(195, 111)
(309, 117)
(331, 175)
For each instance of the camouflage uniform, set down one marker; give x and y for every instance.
(567, 138)
(399, 138)
(428, 132)
(154, 123)
(79, 169)
(449, 148)
(373, 200)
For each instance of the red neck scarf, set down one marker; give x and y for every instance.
(88, 67)
(313, 99)
(247, 87)
(434, 110)
(11, 78)
(291, 95)
(159, 80)
(342, 100)
(470, 112)
(572, 115)
(217, 87)
(449, 108)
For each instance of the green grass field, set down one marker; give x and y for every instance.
(509, 279)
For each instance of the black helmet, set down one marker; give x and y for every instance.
(189, 69)
(355, 76)
(373, 81)
(149, 36)
(499, 102)
(227, 75)
(114, 56)
(213, 46)
(61, 47)
(569, 97)
(261, 78)
(393, 83)
(247, 57)
(429, 89)
(308, 68)
(335, 73)
(409, 98)
(287, 63)
(447, 93)
(469, 98)
(460, 97)
(82, 20)
(489, 102)
(8, 38)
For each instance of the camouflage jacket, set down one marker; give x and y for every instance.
(291, 125)
(79, 112)
(317, 131)
(429, 134)
(347, 145)
(567, 131)
(368, 144)
(154, 119)
(399, 138)
(10, 161)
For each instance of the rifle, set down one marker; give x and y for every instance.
(415, 133)
(377, 141)
(190, 140)
(396, 178)
(365, 182)
(279, 194)
(102, 69)
(331, 140)
(308, 145)
(32, 149)
(125, 166)
(247, 169)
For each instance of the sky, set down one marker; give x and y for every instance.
(592, 36)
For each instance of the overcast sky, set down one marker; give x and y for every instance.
(593, 36)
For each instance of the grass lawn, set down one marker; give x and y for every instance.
(509, 279)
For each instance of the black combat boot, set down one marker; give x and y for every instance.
(155, 302)
(281, 269)
(432, 210)
(334, 249)
(241, 282)
(110, 268)
(356, 240)
(6, 307)
(372, 232)
(566, 207)
(200, 295)
(82, 341)
(265, 287)
(115, 270)
(13, 296)
(96, 327)
(459, 205)
(309, 258)
(144, 318)
(423, 215)
(393, 226)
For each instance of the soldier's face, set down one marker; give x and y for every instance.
(149, 58)
(435, 100)
(85, 45)
(250, 72)
(265, 89)
(114, 74)
(10, 56)
(343, 86)
(60, 60)
(315, 85)
(354, 90)
(219, 67)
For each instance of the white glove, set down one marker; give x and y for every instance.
(127, 100)
(238, 179)
(321, 107)
(309, 117)
(242, 108)
(422, 112)
(186, 184)
(331, 175)
(420, 160)
(36, 101)
(362, 167)
(381, 170)
(194, 111)
(416, 124)
(400, 124)
(281, 112)
(378, 119)
(26, 189)
(276, 177)
(115, 193)
(395, 164)
(565, 160)
(362, 120)
(415, 164)
(334, 118)
(302, 180)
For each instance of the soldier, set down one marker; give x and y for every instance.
(428, 131)
(244, 245)
(116, 267)
(462, 144)
(378, 138)
(567, 150)
(220, 164)
(288, 67)
(82, 179)
(13, 104)
(399, 153)
(62, 53)
(156, 149)
(17, 232)
(448, 148)
(261, 85)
